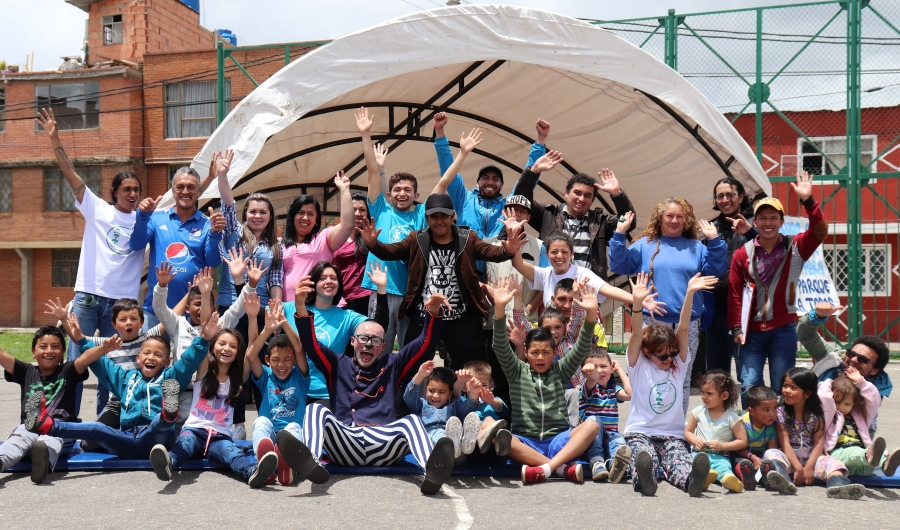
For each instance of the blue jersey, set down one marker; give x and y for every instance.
(188, 246)
(394, 227)
(283, 400)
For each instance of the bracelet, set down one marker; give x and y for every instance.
(381, 172)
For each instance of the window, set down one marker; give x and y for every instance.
(191, 108)
(58, 195)
(5, 190)
(2, 109)
(64, 267)
(836, 149)
(875, 270)
(112, 29)
(76, 105)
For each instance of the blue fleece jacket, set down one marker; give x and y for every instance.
(435, 418)
(678, 260)
(141, 396)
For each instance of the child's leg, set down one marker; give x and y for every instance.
(222, 449)
(436, 434)
(295, 429)
(262, 428)
(113, 440)
(855, 460)
(188, 445)
(675, 460)
(777, 455)
(568, 446)
(721, 465)
(14, 449)
(828, 466)
(638, 443)
(595, 452)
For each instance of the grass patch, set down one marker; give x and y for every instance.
(17, 344)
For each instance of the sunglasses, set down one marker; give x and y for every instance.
(666, 356)
(366, 339)
(861, 359)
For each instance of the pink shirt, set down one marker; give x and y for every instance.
(300, 259)
(353, 270)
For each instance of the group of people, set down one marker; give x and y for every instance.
(311, 319)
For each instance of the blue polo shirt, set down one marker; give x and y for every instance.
(188, 246)
(394, 227)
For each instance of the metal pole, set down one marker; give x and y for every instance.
(220, 83)
(758, 92)
(854, 163)
(671, 59)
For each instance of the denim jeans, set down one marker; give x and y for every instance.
(263, 428)
(194, 443)
(778, 346)
(135, 443)
(150, 320)
(605, 445)
(93, 313)
(720, 347)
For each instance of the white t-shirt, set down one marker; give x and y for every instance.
(657, 405)
(214, 413)
(107, 266)
(545, 279)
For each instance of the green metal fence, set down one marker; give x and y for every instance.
(811, 87)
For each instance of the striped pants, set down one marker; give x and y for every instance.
(365, 446)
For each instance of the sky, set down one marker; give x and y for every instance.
(53, 28)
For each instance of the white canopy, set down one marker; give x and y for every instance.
(497, 67)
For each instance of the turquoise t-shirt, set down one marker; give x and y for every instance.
(394, 227)
(334, 327)
(283, 400)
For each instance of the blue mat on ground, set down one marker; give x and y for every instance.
(78, 460)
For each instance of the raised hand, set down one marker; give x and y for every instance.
(608, 182)
(48, 122)
(740, 224)
(588, 300)
(853, 375)
(468, 143)
(543, 131)
(236, 261)
(439, 122)
(381, 153)
(699, 282)
(803, 187)
(437, 301)
(503, 294)
(547, 162)
(369, 233)
(148, 205)
(589, 370)
(377, 275)
(216, 220)
(57, 310)
(302, 290)
(363, 121)
(708, 229)
(653, 305)
(625, 222)
(213, 160)
(223, 163)
(640, 288)
(474, 388)
(275, 317)
(826, 309)
(255, 272)
(517, 333)
(165, 272)
(204, 281)
(515, 239)
(112, 344)
(341, 181)
(509, 220)
(251, 305)
(487, 395)
(75, 328)
(514, 283)
(425, 369)
(210, 326)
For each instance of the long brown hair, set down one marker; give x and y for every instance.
(248, 238)
(209, 387)
(653, 231)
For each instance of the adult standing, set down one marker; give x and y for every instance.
(671, 253)
(734, 225)
(305, 242)
(181, 235)
(351, 259)
(107, 268)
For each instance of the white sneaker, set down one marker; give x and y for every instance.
(454, 430)
(238, 432)
(471, 425)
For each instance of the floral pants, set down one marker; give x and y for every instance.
(671, 455)
(825, 465)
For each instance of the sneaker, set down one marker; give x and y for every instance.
(471, 425)
(439, 466)
(533, 474)
(765, 467)
(732, 483)
(745, 472)
(891, 463)
(711, 477)
(503, 442)
(265, 447)
(40, 461)
(620, 463)
(162, 464)
(264, 468)
(454, 430)
(643, 467)
(840, 487)
(300, 459)
(37, 418)
(700, 472)
(238, 432)
(170, 390)
(780, 483)
(284, 472)
(574, 473)
(486, 436)
(599, 472)
(876, 450)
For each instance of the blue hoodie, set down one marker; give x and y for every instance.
(142, 397)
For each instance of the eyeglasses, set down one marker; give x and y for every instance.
(366, 339)
(666, 356)
(726, 196)
(861, 359)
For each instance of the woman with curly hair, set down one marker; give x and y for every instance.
(671, 253)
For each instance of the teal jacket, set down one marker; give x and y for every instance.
(141, 397)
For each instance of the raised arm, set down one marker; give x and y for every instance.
(47, 121)
(143, 232)
(211, 253)
(808, 334)
(377, 179)
(169, 318)
(324, 359)
(510, 364)
(715, 262)
(539, 147)
(573, 358)
(339, 234)
(87, 358)
(625, 259)
(416, 352)
(382, 251)
(252, 355)
(640, 289)
(695, 284)
(223, 164)
(466, 145)
(810, 239)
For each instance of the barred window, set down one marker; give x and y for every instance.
(58, 195)
(875, 270)
(65, 267)
(5, 190)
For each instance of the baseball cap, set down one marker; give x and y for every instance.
(439, 203)
(772, 202)
(490, 166)
(518, 200)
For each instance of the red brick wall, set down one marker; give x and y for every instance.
(10, 273)
(42, 290)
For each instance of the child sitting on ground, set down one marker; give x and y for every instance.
(850, 403)
(759, 422)
(598, 400)
(53, 378)
(801, 433)
(283, 382)
(543, 440)
(440, 409)
(492, 411)
(207, 430)
(715, 429)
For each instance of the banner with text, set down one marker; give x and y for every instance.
(815, 284)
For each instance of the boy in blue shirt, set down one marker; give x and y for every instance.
(491, 410)
(440, 410)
